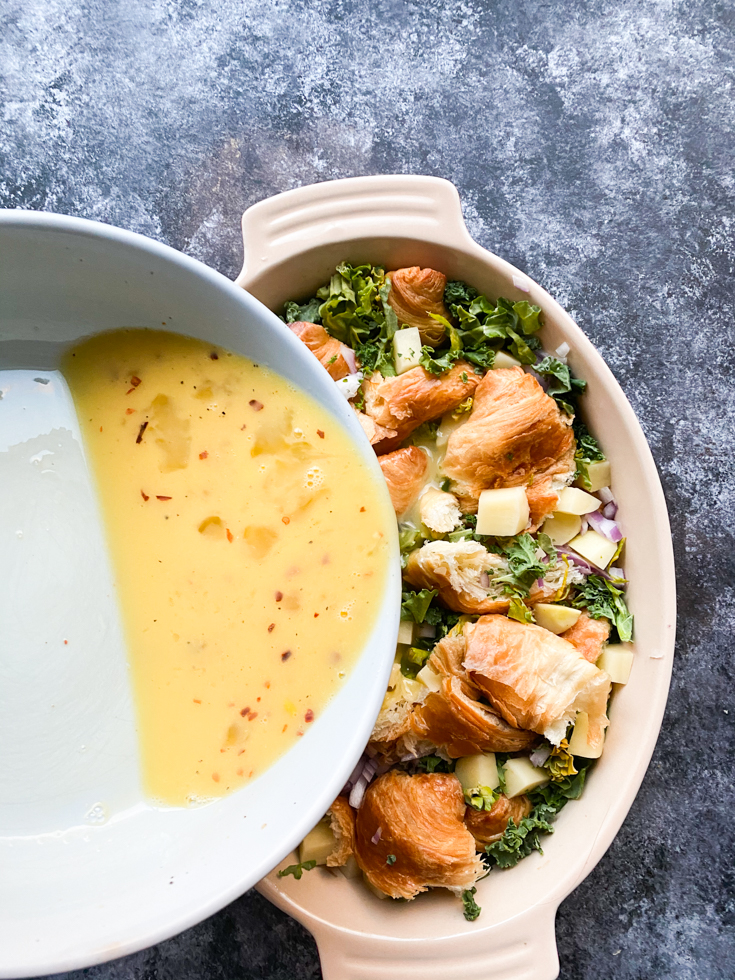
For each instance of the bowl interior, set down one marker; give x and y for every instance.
(88, 869)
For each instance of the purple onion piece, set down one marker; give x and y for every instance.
(349, 357)
(610, 510)
(608, 529)
(377, 835)
(539, 756)
(485, 580)
(583, 526)
(357, 793)
(606, 495)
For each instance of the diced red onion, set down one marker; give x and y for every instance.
(521, 284)
(539, 756)
(610, 510)
(349, 357)
(539, 583)
(616, 572)
(358, 792)
(484, 580)
(606, 495)
(562, 351)
(377, 835)
(583, 526)
(577, 560)
(608, 529)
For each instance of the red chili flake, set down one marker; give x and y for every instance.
(309, 716)
(196, 701)
(286, 520)
(100, 428)
(320, 433)
(242, 427)
(316, 615)
(159, 497)
(203, 455)
(253, 714)
(141, 430)
(241, 751)
(267, 685)
(129, 411)
(215, 777)
(129, 390)
(144, 495)
(271, 627)
(135, 381)
(299, 733)
(255, 404)
(66, 643)
(362, 510)
(284, 729)
(214, 356)
(245, 712)
(239, 772)
(285, 655)
(279, 596)
(257, 699)
(229, 535)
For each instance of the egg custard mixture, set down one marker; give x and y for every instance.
(249, 544)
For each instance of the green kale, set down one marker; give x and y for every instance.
(524, 567)
(602, 599)
(297, 869)
(307, 312)
(417, 656)
(562, 387)
(481, 797)
(408, 540)
(471, 908)
(442, 619)
(441, 364)
(433, 763)
(391, 859)
(519, 611)
(587, 451)
(415, 604)
(481, 357)
(458, 292)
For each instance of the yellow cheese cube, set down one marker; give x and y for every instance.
(594, 548)
(318, 844)
(578, 743)
(502, 512)
(561, 528)
(555, 618)
(376, 891)
(406, 349)
(572, 500)
(503, 360)
(429, 678)
(350, 869)
(598, 475)
(477, 770)
(617, 661)
(521, 776)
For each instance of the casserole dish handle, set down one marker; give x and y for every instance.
(523, 948)
(343, 211)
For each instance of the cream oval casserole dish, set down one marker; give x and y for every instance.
(467, 378)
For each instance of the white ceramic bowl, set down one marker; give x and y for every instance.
(88, 870)
(292, 243)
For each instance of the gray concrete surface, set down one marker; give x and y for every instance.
(592, 144)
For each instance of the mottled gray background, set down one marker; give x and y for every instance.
(592, 144)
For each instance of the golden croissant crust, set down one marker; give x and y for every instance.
(404, 402)
(377, 434)
(421, 823)
(536, 680)
(515, 435)
(404, 471)
(342, 821)
(327, 350)
(456, 569)
(414, 294)
(588, 636)
(487, 826)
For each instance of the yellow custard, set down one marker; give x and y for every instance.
(250, 546)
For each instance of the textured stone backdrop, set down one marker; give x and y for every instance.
(592, 144)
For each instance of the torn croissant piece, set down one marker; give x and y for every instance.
(542, 501)
(458, 570)
(536, 680)
(422, 841)
(329, 352)
(404, 471)
(447, 660)
(342, 822)
(588, 636)
(515, 435)
(459, 725)
(405, 402)
(439, 510)
(392, 738)
(487, 826)
(414, 294)
(376, 433)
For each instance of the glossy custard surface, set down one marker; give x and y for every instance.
(249, 543)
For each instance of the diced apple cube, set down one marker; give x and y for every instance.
(555, 618)
(561, 528)
(617, 661)
(572, 500)
(406, 349)
(411, 690)
(429, 678)
(350, 869)
(521, 776)
(503, 360)
(598, 475)
(579, 742)
(405, 632)
(594, 548)
(502, 512)
(477, 770)
(318, 844)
